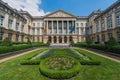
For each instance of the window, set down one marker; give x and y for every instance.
(118, 8)
(102, 24)
(42, 24)
(34, 24)
(10, 36)
(109, 35)
(2, 8)
(109, 22)
(77, 24)
(22, 29)
(117, 19)
(1, 20)
(10, 23)
(38, 24)
(97, 26)
(17, 26)
(17, 37)
(118, 36)
(81, 24)
(33, 32)
(28, 29)
(1, 34)
(22, 38)
(103, 37)
(38, 39)
(38, 31)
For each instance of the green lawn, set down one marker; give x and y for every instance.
(12, 70)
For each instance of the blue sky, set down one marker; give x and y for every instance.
(76, 7)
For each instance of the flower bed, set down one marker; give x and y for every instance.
(59, 67)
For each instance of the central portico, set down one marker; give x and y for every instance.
(58, 25)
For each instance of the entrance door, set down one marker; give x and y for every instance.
(65, 39)
(60, 39)
(49, 39)
(55, 39)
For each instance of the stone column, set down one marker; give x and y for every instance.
(72, 26)
(47, 27)
(67, 27)
(62, 39)
(52, 28)
(68, 39)
(62, 27)
(79, 31)
(14, 24)
(57, 27)
(57, 39)
(113, 19)
(6, 20)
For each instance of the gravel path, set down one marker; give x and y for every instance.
(102, 55)
(14, 56)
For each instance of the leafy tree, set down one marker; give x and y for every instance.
(29, 42)
(111, 42)
(89, 41)
(6, 42)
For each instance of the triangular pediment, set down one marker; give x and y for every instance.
(60, 13)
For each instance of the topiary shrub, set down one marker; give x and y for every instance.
(59, 67)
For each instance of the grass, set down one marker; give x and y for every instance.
(12, 70)
(60, 51)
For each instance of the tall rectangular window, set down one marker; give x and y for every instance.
(117, 18)
(1, 20)
(17, 37)
(17, 26)
(33, 24)
(1, 34)
(10, 36)
(38, 24)
(118, 36)
(10, 23)
(22, 29)
(109, 35)
(82, 25)
(38, 31)
(109, 22)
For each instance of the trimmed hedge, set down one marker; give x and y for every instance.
(27, 60)
(6, 49)
(30, 62)
(90, 62)
(59, 74)
(103, 47)
(116, 49)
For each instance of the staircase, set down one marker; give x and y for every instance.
(60, 45)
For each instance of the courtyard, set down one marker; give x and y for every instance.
(91, 66)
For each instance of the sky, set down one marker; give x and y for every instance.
(75, 7)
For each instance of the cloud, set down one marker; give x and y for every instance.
(32, 6)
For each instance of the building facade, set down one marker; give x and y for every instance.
(55, 27)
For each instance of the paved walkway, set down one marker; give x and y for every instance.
(102, 55)
(11, 57)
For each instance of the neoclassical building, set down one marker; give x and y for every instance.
(55, 27)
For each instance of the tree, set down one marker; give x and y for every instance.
(111, 42)
(89, 41)
(29, 42)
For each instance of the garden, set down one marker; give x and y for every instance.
(49, 64)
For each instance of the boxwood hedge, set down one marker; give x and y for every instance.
(59, 74)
